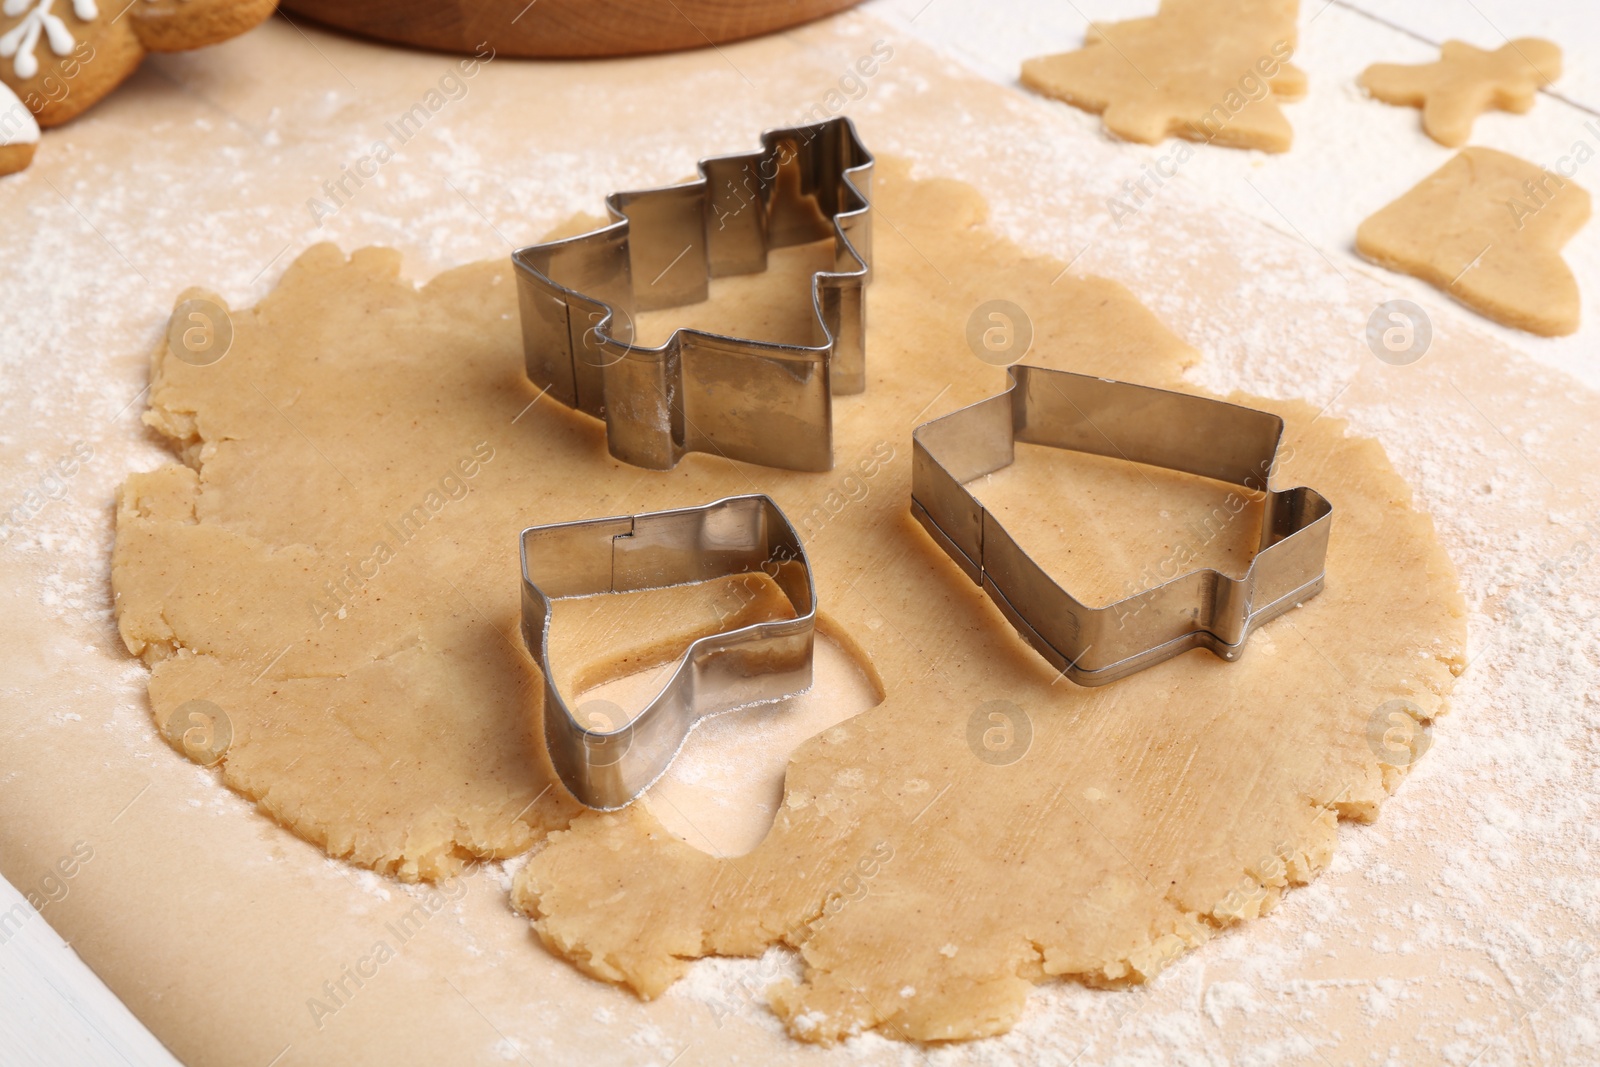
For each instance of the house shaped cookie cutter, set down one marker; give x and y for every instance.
(757, 401)
(1211, 438)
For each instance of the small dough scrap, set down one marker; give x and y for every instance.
(1487, 228)
(1205, 70)
(1465, 82)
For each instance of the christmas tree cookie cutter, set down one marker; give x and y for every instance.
(757, 401)
(1081, 413)
(606, 765)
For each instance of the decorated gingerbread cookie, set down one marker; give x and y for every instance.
(19, 132)
(1465, 82)
(1206, 70)
(58, 57)
(1487, 228)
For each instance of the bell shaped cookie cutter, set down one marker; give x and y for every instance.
(605, 765)
(757, 401)
(1211, 438)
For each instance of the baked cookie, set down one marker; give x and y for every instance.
(1465, 82)
(1205, 70)
(59, 57)
(1487, 228)
(19, 133)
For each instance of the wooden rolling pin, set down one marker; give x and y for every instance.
(563, 28)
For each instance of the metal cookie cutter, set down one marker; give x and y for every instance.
(757, 401)
(1213, 439)
(756, 664)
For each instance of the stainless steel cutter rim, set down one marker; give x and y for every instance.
(838, 358)
(623, 774)
(620, 223)
(1289, 564)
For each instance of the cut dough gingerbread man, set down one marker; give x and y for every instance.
(58, 57)
(1487, 228)
(1206, 70)
(1465, 82)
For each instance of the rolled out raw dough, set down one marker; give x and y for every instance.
(336, 569)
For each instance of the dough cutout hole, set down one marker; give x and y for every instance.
(1116, 528)
(723, 791)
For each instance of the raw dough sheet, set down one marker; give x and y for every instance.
(388, 714)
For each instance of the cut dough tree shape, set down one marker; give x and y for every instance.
(334, 566)
(1465, 82)
(1205, 70)
(59, 57)
(1487, 228)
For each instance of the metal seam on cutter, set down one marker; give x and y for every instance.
(756, 664)
(758, 401)
(1082, 413)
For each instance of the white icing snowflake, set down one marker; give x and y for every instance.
(22, 38)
